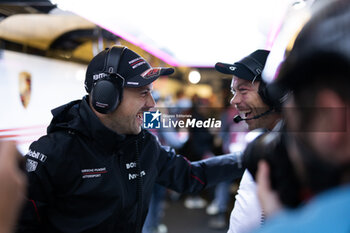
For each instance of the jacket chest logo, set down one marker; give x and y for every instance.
(132, 166)
(93, 172)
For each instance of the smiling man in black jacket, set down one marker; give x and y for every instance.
(95, 169)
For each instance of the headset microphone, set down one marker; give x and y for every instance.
(238, 118)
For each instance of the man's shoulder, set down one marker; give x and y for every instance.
(53, 144)
(58, 138)
(279, 126)
(150, 136)
(323, 214)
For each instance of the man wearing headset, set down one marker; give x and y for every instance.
(95, 169)
(258, 110)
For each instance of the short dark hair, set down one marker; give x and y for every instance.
(317, 71)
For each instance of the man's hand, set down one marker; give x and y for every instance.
(268, 198)
(12, 185)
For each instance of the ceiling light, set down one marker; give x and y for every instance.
(194, 77)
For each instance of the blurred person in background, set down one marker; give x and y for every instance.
(169, 137)
(258, 110)
(95, 169)
(317, 71)
(12, 185)
(182, 102)
(198, 146)
(232, 139)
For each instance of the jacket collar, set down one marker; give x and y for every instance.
(105, 137)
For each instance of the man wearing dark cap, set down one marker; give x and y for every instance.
(95, 169)
(248, 90)
(258, 110)
(317, 70)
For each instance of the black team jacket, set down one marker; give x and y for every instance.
(84, 177)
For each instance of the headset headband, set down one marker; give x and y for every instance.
(112, 59)
(253, 65)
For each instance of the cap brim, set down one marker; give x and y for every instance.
(225, 68)
(236, 69)
(148, 76)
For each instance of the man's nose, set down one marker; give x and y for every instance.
(236, 99)
(150, 103)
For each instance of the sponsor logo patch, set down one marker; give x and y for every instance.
(133, 176)
(99, 76)
(151, 73)
(37, 155)
(31, 165)
(137, 62)
(133, 83)
(93, 172)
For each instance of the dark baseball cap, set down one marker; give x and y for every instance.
(249, 68)
(135, 70)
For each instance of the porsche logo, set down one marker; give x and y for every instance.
(25, 87)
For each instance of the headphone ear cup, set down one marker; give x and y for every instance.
(274, 95)
(264, 95)
(106, 96)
